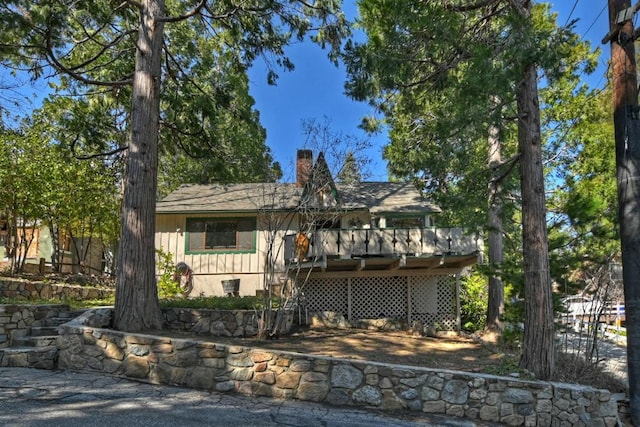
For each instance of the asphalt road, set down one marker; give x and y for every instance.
(34, 397)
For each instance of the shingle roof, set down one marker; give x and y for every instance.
(377, 197)
(230, 198)
(380, 197)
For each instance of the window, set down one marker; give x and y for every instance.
(405, 222)
(314, 223)
(326, 223)
(221, 234)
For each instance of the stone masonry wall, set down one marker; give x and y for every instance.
(217, 323)
(17, 320)
(33, 290)
(85, 344)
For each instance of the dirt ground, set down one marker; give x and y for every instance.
(445, 352)
(455, 352)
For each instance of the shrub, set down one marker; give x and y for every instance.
(168, 287)
(221, 303)
(473, 302)
(513, 332)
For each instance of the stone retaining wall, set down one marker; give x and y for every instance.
(33, 290)
(335, 320)
(85, 344)
(218, 323)
(17, 320)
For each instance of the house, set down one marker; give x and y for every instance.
(36, 248)
(364, 250)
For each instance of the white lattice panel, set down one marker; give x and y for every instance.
(328, 294)
(378, 297)
(432, 298)
(424, 294)
(433, 301)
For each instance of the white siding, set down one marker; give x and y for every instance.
(211, 268)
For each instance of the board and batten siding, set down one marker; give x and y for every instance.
(210, 269)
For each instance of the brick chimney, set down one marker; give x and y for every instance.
(304, 164)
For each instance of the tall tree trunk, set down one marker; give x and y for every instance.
(538, 355)
(495, 304)
(137, 307)
(627, 136)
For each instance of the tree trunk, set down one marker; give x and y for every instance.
(627, 137)
(55, 241)
(137, 307)
(13, 239)
(495, 303)
(538, 353)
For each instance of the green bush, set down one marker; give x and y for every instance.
(509, 364)
(220, 303)
(75, 304)
(168, 287)
(91, 303)
(513, 332)
(212, 303)
(473, 302)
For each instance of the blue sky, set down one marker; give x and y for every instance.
(315, 89)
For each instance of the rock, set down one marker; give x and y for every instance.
(346, 376)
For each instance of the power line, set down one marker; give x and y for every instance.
(594, 21)
(584, 37)
(571, 13)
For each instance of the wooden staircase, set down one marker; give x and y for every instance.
(38, 348)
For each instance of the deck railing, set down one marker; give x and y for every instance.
(372, 242)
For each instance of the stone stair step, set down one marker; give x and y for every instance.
(62, 317)
(35, 341)
(39, 331)
(56, 321)
(72, 314)
(38, 349)
(29, 357)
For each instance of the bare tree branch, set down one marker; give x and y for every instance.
(510, 164)
(132, 3)
(187, 15)
(520, 6)
(95, 155)
(53, 60)
(468, 7)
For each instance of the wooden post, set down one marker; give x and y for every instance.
(627, 143)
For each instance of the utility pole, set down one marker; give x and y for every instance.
(627, 139)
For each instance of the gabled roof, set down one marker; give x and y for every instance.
(375, 197)
(320, 189)
(385, 197)
(230, 198)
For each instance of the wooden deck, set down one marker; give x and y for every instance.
(400, 243)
